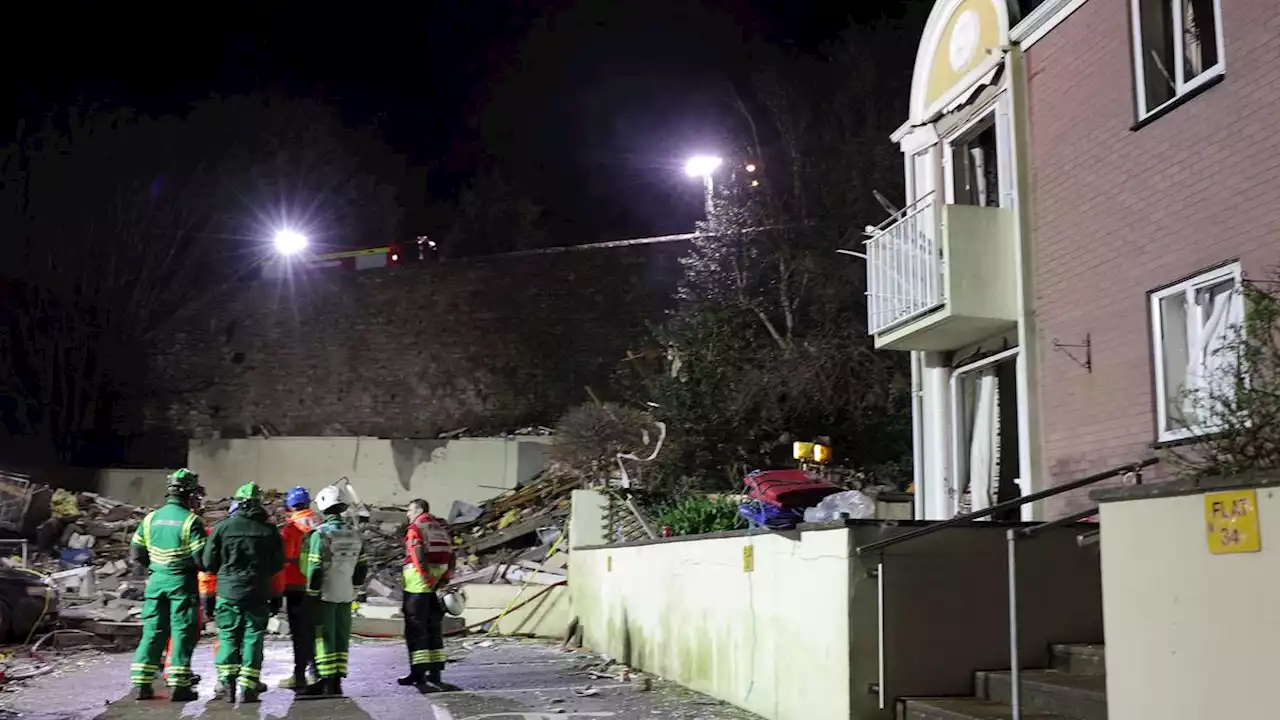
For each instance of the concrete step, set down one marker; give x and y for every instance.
(1080, 659)
(965, 709)
(1076, 696)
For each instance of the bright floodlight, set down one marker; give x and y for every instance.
(701, 165)
(289, 242)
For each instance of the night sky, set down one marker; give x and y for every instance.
(590, 107)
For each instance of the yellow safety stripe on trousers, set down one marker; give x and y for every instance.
(418, 657)
(438, 656)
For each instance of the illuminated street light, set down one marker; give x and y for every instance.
(290, 242)
(702, 165)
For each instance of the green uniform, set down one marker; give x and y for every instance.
(244, 551)
(334, 564)
(168, 543)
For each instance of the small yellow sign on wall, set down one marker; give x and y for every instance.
(1231, 521)
(748, 559)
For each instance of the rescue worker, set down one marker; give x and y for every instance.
(206, 584)
(245, 552)
(291, 584)
(428, 565)
(167, 546)
(334, 565)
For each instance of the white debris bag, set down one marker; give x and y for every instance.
(848, 505)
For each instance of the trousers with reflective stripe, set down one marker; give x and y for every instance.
(167, 610)
(333, 638)
(424, 632)
(242, 631)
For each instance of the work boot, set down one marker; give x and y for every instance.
(144, 692)
(410, 679)
(335, 686)
(226, 689)
(183, 694)
(249, 696)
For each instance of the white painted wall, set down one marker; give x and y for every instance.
(774, 640)
(1190, 635)
(383, 471)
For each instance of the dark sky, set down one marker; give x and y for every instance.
(590, 106)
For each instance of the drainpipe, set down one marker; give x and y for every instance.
(917, 436)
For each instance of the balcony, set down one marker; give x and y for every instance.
(940, 277)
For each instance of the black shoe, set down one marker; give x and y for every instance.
(426, 687)
(144, 692)
(410, 679)
(335, 687)
(226, 690)
(249, 696)
(183, 694)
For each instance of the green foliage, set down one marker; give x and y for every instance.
(698, 514)
(1235, 408)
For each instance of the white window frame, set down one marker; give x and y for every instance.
(959, 455)
(1231, 271)
(1182, 85)
(997, 111)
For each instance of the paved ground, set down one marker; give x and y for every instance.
(505, 680)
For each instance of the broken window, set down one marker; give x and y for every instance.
(985, 451)
(1196, 324)
(1176, 48)
(975, 166)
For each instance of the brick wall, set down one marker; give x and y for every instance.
(410, 352)
(1118, 213)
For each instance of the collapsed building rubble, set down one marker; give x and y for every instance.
(514, 542)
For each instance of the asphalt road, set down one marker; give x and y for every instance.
(500, 680)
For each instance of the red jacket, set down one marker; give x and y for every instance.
(292, 533)
(427, 542)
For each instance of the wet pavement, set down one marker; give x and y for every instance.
(500, 680)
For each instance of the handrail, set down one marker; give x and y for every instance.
(1006, 505)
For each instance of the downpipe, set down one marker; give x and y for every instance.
(917, 435)
(1015, 672)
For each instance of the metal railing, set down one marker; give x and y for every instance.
(1012, 535)
(904, 266)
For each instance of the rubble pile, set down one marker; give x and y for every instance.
(517, 537)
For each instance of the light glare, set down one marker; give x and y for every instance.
(701, 165)
(289, 242)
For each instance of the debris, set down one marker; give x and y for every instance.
(587, 691)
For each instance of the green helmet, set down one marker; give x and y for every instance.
(182, 482)
(249, 491)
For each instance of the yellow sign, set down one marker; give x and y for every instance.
(748, 559)
(1231, 522)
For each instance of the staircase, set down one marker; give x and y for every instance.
(1074, 688)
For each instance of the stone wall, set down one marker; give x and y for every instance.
(489, 344)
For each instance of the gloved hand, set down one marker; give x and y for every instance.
(274, 604)
(207, 604)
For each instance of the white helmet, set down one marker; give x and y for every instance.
(455, 601)
(328, 497)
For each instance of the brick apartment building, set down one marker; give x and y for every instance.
(1081, 212)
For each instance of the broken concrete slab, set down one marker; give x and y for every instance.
(548, 615)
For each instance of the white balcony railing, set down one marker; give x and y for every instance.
(904, 266)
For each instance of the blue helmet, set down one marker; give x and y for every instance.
(297, 497)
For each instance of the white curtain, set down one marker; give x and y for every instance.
(978, 451)
(1213, 314)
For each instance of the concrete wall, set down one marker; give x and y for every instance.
(141, 487)
(491, 344)
(1118, 213)
(1190, 635)
(774, 640)
(382, 471)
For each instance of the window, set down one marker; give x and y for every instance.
(975, 166)
(1195, 324)
(1177, 47)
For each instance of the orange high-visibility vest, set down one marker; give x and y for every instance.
(292, 533)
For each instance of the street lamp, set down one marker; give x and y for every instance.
(704, 166)
(290, 242)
